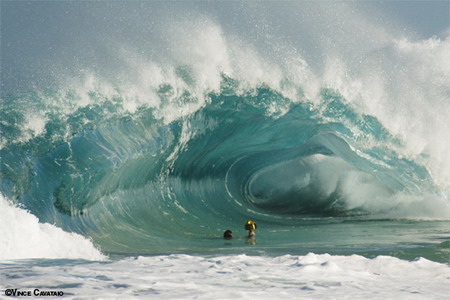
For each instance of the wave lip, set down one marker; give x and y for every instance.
(134, 182)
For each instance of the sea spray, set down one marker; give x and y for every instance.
(177, 131)
(146, 129)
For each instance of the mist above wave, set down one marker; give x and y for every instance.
(201, 109)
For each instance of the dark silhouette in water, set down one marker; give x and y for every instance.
(228, 234)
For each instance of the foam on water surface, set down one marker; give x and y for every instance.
(23, 236)
(152, 131)
(234, 277)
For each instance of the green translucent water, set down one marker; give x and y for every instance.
(137, 185)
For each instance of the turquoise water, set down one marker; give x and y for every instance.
(138, 185)
(150, 128)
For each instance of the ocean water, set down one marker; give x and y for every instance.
(146, 137)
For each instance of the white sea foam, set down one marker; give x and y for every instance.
(405, 86)
(237, 277)
(22, 236)
(402, 82)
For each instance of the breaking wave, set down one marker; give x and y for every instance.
(217, 131)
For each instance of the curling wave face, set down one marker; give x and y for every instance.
(214, 132)
(131, 181)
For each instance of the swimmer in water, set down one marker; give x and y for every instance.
(250, 226)
(228, 234)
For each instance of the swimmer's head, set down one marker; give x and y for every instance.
(228, 234)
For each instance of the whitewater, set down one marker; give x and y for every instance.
(133, 134)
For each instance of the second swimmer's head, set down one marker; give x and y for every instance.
(228, 234)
